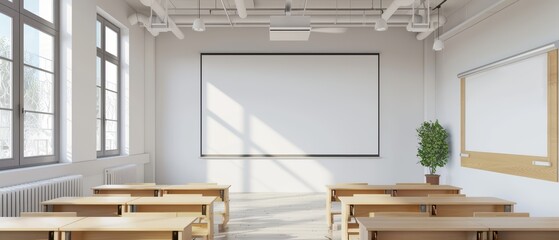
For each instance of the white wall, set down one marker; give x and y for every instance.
(78, 100)
(522, 26)
(177, 106)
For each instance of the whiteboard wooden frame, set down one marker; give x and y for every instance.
(519, 165)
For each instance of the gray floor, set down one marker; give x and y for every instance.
(276, 216)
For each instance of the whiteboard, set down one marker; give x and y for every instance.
(299, 105)
(506, 109)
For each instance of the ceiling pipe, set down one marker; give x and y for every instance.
(178, 11)
(315, 26)
(241, 8)
(155, 6)
(144, 20)
(160, 11)
(340, 19)
(434, 25)
(394, 7)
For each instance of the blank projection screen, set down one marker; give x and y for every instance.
(289, 105)
(506, 109)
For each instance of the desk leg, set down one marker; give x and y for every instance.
(186, 234)
(329, 218)
(224, 195)
(224, 217)
(226, 206)
(345, 217)
(209, 217)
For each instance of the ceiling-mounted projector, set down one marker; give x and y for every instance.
(290, 28)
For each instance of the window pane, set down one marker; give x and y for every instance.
(6, 134)
(111, 41)
(38, 49)
(98, 78)
(98, 102)
(111, 76)
(5, 36)
(111, 105)
(98, 26)
(38, 91)
(41, 8)
(111, 135)
(98, 135)
(5, 84)
(38, 134)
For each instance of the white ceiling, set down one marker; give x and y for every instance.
(344, 11)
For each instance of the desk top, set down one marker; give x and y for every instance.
(391, 187)
(130, 224)
(174, 200)
(421, 224)
(520, 223)
(89, 201)
(196, 187)
(460, 223)
(381, 200)
(35, 223)
(128, 187)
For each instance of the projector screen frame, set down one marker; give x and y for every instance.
(289, 156)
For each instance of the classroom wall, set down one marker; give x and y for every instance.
(178, 109)
(522, 26)
(78, 100)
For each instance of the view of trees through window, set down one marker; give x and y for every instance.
(28, 82)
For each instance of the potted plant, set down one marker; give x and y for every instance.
(433, 148)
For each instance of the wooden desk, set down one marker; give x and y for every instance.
(88, 206)
(36, 228)
(496, 228)
(394, 228)
(161, 228)
(515, 228)
(133, 190)
(344, 190)
(220, 191)
(436, 206)
(190, 205)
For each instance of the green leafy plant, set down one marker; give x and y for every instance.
(433, 145)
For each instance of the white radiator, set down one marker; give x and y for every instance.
(28, 197)
(121, 174)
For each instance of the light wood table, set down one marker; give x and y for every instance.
(101, 228)
(344, 190)
(88, 206)
(517, 228)
(220, 191)
(133, 190)
(195, 206)
(36, 228)
(437, 207)
(397, 228)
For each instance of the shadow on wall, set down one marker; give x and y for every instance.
(239, 138)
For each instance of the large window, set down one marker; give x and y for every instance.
(108, 88)
(28, 82)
